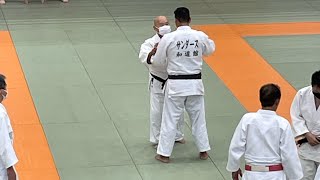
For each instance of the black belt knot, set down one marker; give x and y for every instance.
(160, 80)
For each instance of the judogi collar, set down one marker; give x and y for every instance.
(267, 112)
(183, 28)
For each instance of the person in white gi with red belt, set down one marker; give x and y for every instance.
(266, 141)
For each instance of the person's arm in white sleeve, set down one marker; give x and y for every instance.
(237, 148)
(289, 155)
(208, 45)
(160, 57)
(298, 122)
(145, 50)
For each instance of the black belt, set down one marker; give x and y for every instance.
(187, 76)
(301, 141)
(159, 79)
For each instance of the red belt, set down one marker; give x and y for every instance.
(277, 167)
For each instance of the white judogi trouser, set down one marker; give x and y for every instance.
(156, 108)
(309, 168)
(310, 160)
(318, 174)
(173, 109)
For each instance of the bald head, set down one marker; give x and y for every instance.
(160, 21)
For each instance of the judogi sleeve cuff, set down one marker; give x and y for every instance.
(9, 158)
(232, 169)
(300, 132)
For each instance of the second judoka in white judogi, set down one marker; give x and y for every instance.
(266, 141)
(182, 51)
(8, 157)
(157, 79)
(305, 115)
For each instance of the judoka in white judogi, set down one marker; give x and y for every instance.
(305, 115)
(157, 79)
(182, 51)
(8, 122)
(264, 139)
(8, 157)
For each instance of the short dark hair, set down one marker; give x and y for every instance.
(269, 93)
(182, 14)
(3, 83)
(315, 78)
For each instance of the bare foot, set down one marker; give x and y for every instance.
(203, 155)
(161, 158)
(2, 2)
(65, 1)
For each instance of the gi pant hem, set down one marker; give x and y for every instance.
(163, 154)
(205, 149)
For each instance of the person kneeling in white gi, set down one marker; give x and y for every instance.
(8, 157)
(266, 141)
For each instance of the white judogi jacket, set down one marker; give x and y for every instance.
(264, 138)
(305, 118)
(8, 157)
(7, 120)
(156, 89)
(182, 50)
(159, 70)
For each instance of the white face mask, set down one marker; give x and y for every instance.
(164, 30)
